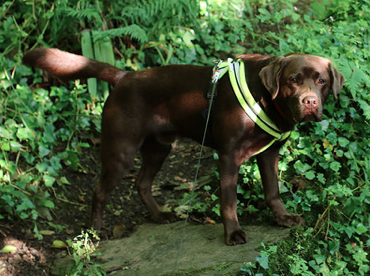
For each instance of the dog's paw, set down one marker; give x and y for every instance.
(289, 220)
(165, 217)
(236, 237)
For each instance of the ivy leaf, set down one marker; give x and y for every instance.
(25, 205)
(326, 143)
(310, 175)
(301, 167)
(15, 146)
(43, 151)
(360, 229)
(28, 157)
(263, 261)
(343, 142)
(24, 134)
(5, 146)
(335, 166)
(333, 246)
(5, 133)
(46, 203)
(187, 38)
(49, 180)
(319, 258)
(324, 125)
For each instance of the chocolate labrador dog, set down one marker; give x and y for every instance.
(147, 110)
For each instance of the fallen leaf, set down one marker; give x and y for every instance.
(9, 248)
(59, 244)
(47, 232)
(210, 221)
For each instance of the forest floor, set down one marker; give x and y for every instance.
(72, 207)
(124, 215)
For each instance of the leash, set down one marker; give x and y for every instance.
(217, 74)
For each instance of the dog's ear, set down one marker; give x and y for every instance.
(337, 81)
(270, 76)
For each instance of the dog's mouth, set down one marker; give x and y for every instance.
(311, 117)
(307, 115)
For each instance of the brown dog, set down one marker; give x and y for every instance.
(148, 108)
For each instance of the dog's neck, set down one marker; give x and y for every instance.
(275, 113)
(252, 68)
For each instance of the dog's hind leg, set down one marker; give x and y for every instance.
(153, 155)
(121, 138)
(116, 159)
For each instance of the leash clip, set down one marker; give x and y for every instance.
(216, 76)
(217, 72)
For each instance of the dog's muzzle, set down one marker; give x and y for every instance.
(310, 107)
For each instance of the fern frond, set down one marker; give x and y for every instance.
(346, 68)
(365, 108)
(134, 31)
(354, 76)
(147, 12)
(81, 14)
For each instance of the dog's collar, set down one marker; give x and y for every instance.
(236, 71)
(279, 110)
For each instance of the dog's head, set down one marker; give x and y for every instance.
(300, 85)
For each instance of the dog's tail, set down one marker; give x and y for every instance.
(69, 66)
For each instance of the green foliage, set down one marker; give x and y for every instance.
(330, 157)
(223, 25)
(156, 37)
(290, 255)
(84, 247)
(40, 129)
(33, 125)
(134, 31)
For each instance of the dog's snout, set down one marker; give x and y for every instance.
(311, 101)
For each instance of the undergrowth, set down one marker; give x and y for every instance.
(324, 167)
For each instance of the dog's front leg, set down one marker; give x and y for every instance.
(228, 177)
(268, 165)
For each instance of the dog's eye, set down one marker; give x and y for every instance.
(293, 80)
(322, 81)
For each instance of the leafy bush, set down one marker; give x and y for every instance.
(34, 125)
(331, 157)
(40, 128)
(84, 248)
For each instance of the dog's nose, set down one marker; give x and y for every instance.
(311, 101)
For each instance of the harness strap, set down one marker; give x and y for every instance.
(238, 81)
(247, 101)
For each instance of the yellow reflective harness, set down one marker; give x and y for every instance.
(254, 111)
